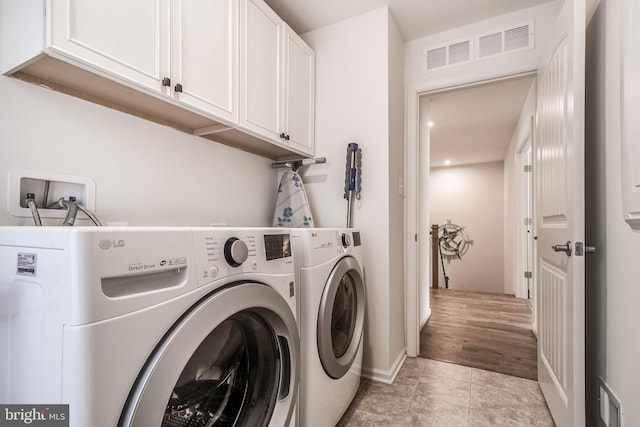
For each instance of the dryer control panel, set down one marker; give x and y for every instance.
(346, 240)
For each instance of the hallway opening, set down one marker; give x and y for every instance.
(470, 177)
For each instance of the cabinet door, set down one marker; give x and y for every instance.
(116, 37)
(261, 77)
(204, 58)
(299, 93)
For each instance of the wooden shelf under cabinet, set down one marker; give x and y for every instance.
(61, 76)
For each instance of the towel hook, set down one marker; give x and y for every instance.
(296, 164)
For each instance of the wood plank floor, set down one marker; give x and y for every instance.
(480, 330)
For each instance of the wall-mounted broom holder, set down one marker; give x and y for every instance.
(47, 188)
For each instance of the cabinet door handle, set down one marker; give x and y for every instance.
(178, 88)
(286, 137)
(283, 136)
(166, 81)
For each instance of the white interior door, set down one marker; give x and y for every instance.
(560, 218)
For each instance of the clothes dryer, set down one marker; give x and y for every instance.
(331, 307)
(150, 326)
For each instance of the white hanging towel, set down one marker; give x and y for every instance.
(292, 207)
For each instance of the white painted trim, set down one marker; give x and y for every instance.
(412, 294)
(426, 319)
(386, 377)
(520, 288)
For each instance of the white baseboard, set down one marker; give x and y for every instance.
(388, 376)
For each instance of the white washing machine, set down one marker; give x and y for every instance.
(150, 326)
(331, 307)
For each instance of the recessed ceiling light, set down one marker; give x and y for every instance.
(430, 123)
(447, 162)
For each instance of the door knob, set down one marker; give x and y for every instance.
(566, 248)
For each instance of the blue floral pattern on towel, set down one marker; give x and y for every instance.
(286, 217)
(292, 207)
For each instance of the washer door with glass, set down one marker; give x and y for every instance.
(341, 317)
(231, 360)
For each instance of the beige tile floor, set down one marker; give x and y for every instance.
(432, 393)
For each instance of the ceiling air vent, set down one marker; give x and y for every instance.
(507, 40)
(439, 57)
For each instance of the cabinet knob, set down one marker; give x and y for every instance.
(286, 137)
(282, 135)
(166, 81)
(178, 88)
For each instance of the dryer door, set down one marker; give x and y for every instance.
(341, 317)
(231, 360)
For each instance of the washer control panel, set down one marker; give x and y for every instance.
(224, 252)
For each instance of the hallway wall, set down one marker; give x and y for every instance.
(472, 196)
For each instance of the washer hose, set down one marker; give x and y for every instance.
(33, 207)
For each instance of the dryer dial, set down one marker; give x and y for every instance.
(346, 240)
(235, 251)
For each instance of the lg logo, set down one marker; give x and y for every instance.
(107, 244)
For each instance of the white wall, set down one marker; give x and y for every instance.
(145, 173)
(513, 221)
(396, 197)
(471, 196)
(622, 245)
(543, 15)
(357, 100)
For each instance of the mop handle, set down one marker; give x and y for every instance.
(351, 173)
(358, 177)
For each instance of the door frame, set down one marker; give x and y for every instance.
(524, 181)
(527, 183)
(416, 212)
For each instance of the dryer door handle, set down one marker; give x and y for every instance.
(285, 368)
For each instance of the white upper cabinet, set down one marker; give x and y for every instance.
(278, 83)
(299, 93)
(262, 70)
(118, 37)
(184, 52)
(227, 70)
(204, 55)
